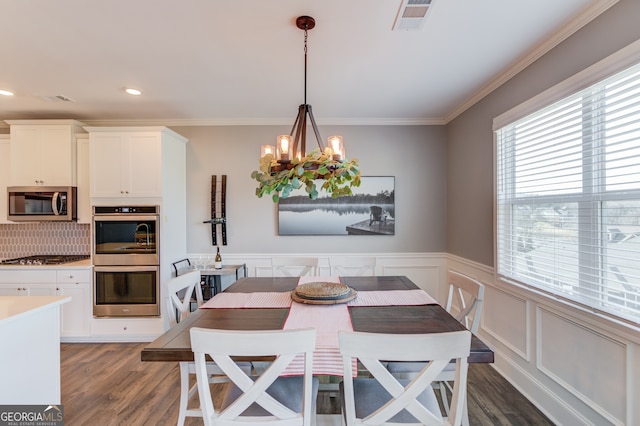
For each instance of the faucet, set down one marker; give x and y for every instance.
(140, 225)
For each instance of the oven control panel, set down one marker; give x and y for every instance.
(125, 209)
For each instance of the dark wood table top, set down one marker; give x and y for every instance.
(175, 344)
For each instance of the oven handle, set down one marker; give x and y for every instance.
(145, 268)
(123, 218)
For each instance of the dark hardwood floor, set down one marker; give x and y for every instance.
(107, 384)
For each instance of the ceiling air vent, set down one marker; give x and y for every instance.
(56, 98)
(411, 15)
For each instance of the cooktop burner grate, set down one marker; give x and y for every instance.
(47, 259)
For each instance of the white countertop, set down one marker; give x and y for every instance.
(16, 307)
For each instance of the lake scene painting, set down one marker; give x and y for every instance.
(369, 211)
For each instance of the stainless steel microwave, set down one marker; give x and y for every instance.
(42, 203)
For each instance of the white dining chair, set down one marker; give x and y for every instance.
(180, 292)
(350, 266)
(293, 266)
(384, 399)
(464, 302)
(269, 398)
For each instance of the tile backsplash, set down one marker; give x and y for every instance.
(27, 239)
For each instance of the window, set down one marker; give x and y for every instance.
(568, 197)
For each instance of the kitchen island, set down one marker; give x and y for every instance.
(30, 356)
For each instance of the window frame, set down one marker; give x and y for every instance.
(615, 63)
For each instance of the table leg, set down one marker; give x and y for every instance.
(208, 289)
(217, 284)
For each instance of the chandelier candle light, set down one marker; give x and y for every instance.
(287, 165)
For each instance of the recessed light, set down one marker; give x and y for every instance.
(6, 93)
(135, 92)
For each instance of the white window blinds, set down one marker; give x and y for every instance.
(568, 197)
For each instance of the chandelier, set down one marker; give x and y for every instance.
(288, 166)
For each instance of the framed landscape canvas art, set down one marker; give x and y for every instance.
(369, 211)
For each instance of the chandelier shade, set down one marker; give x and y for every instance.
(287, 165)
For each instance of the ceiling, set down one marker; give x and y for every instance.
(242, 62)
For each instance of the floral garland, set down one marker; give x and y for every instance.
(339, 176)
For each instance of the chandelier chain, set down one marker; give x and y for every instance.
(305, 64)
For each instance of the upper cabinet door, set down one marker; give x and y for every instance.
(43, 155)
(105, 152)
(126, 164)
(26, 158)
(145, 165)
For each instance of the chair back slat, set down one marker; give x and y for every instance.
(468, 295)
(179, 292)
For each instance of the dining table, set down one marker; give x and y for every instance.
(419, 314)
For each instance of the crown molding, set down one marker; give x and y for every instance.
(591, 12)
(438, 121)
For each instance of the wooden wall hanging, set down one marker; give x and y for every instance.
(218, 210)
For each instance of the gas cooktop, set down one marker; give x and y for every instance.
(47, 259)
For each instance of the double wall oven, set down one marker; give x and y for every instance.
(126, 261)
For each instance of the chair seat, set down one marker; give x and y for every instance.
(370, 395)
(286, 390)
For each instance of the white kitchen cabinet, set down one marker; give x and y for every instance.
(126, 329)
(127, 162)
(37, 289)
(24, 289)
(141, 166)
(76, 314)
(12, 290)
(20, 282)
(43, 152)
(4, 175)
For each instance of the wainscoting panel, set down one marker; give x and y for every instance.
(583, 368)
(505, 317)
(592, 370)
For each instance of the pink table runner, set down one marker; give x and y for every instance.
(328, 320)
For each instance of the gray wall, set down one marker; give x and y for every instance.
(415, 155)
(470, 137)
